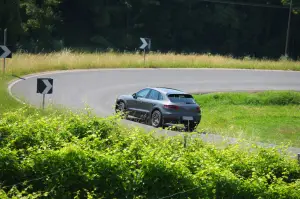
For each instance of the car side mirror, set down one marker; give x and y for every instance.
(134, 95)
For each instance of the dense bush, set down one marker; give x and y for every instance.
(81, 156)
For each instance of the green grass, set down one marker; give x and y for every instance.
(6, 101)
(29, 63)
(272, 116)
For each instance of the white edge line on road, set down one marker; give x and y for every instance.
(10, 85)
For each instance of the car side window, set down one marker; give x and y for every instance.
(160, 97)
(143, 93)
(155, 95)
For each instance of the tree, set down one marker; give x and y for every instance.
(10, 19)
(39, 20)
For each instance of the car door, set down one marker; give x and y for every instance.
(151, 100)
(137, 105)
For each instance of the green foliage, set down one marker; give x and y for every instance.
(6, 101)
(267, 116)
(39, 19)
(265, 98)
(174, 25)
(10, 19)
(81, 156)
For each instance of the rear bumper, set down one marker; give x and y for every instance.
(176, 119)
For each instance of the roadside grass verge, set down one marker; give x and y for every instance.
(6, 101)
(271, 116)
(23, 63)
(66, 155)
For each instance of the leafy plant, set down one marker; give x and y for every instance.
(64, 155)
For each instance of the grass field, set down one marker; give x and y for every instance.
(6, 101)
(28, 63)
(272, 116)
(270, 122)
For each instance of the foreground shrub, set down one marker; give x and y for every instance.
(81, 156)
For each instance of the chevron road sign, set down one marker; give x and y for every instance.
(44, 86)
(5, 52)
(145, 43)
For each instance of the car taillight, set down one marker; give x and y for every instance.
(198, 109)
(171, 107)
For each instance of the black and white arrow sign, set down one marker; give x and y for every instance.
(145, 43)
(45, 85)
(5, 52)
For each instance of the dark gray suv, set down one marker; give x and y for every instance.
(161, 107)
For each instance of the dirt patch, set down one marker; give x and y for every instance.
(289, 130)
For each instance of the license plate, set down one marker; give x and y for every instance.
(187, 118)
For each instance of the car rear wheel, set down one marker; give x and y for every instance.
(156, 118)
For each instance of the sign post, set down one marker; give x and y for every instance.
(184, 140)
(144, 45)
(44, 86)
(4, 51)
(288, 30)
(4, 43)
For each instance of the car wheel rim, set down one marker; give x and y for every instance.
(121, 107)
(155, 118)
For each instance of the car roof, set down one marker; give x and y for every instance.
(168, 90)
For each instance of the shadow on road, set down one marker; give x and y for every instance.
(18, 77)
(175, 128)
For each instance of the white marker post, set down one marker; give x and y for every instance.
(185, 138)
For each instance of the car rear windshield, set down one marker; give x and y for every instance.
(181, 98)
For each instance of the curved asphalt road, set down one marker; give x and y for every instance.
(99, 88)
